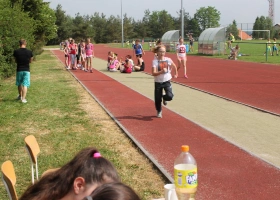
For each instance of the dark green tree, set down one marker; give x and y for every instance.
(207, 17)
(44, 17)
(63, 23)
(128, 27)
(232, 28)
(257, 26)
(194, 28)
(14, 25)
(98, 23)
(113, 29)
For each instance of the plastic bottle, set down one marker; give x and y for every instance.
(185, 175)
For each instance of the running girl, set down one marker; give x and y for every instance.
(182, 56)
(161, 70)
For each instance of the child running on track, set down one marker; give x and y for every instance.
(182, 56)
(89, 55)
(161, 70)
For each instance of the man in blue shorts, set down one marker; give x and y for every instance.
(138, 49)
(23, 57)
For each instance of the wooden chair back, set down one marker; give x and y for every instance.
(9, 179)
(33, 150)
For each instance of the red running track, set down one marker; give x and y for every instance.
(226, 172)
(253, 84)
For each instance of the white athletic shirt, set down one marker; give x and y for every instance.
(159, 65)
(181, 50)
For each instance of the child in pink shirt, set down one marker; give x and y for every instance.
(89, 55)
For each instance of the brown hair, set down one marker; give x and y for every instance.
(128, 56)
(58, 184)
(158, 42)
(156, 49)
(113, 191)
(22, 42)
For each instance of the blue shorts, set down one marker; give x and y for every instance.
(274, 48)
(23, 78)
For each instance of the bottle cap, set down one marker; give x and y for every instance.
(185, 148)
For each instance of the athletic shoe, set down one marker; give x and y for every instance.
(91, 71)
(19, 97)
(164, 102)
(186, 76)
(159, 114)
(24, 101)
(86, 70)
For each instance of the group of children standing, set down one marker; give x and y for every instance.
(78, 55)
(274, 47)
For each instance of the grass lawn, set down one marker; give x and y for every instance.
(251, 51)
(64, 119)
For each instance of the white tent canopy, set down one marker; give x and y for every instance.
(170, 39)
(212, 41)
(170, 36)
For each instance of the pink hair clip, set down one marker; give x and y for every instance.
(97, 155)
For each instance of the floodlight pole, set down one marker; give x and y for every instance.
(182, 18)
(122, 23)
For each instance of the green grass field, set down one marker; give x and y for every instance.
(251, 51)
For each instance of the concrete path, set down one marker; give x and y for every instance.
(253, 131)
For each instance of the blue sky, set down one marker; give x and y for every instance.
(243, 11)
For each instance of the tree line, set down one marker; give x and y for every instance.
(153, 25)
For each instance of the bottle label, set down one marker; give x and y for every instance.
(185, 178)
